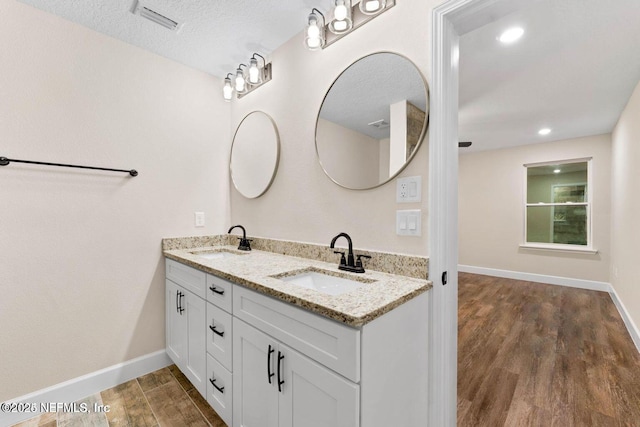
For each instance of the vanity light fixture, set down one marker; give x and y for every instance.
(341, 22)
(346, 18)
(544, 131)
(247, 80)
(315, 33)
(511, 35)
(372, 7)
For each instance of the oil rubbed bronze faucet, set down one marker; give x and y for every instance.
(245, 244)
(348, 263)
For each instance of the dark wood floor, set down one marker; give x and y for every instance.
(531, 354)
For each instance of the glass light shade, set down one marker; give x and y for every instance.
(227, 90)
(314, 35)
(341, 22)
(254, 71)
(240, 81)
(371, 7)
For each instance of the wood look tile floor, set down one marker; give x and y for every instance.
(531, 354)
(164, 398)
(528, 355)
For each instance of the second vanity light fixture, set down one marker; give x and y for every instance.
(345, 18)
(248, 79)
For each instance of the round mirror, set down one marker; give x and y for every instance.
(255, 153)
(372, 121)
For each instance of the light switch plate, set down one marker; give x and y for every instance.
(409, 189)
(409, 222)
(199, 219)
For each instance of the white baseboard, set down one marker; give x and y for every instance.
(540, 278)
(564, 281)
(86, 385)
(631, 326)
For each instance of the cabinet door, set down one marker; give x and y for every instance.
(255, 393)
(195, 367)
(314, 396)
(176, 327)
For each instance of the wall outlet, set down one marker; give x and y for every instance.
(409, 189)
(409, 222)
(199, 219)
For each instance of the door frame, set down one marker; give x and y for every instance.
(449, 21)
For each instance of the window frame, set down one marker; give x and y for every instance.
(564, 247)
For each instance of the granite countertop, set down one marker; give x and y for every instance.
(381, 292)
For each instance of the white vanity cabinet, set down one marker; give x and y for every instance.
(263, 362)
(185, 315)
(268, 374)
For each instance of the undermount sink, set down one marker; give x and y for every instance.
(215, 254)
(329, 284)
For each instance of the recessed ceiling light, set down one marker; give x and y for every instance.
(557, 171)
(511, 35)
(544, 131)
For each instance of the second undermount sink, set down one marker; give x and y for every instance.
(330, 284)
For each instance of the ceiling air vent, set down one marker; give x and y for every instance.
(380, 124)
(155, 17)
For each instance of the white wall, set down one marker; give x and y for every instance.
(625, 205)
(81, 270)
(303, 203)
(491, 209)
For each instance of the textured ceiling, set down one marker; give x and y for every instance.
(573, 71)
(215, 37)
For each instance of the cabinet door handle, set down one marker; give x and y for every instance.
(280, 381)
(181, 309)
(269, 373)
(177, 301)
(215, 331)
(213, 383)
(216, 291)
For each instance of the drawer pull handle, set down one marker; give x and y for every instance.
(213, 383)
(215, 331)
(179, 301)
(280, 382)
(269, 373)
(216, 291)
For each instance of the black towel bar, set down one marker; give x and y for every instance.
(5, 161)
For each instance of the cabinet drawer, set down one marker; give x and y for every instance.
(220, 389)
(330, 343)
(189, 278)
(220, 292)
(219, 335)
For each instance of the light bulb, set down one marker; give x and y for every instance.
(227, 90)
(239, 81)
(340, 12)
(544, 131)
(314, 34)
(313, 31)
(254, 71)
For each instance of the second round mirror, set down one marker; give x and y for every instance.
(372, 121)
